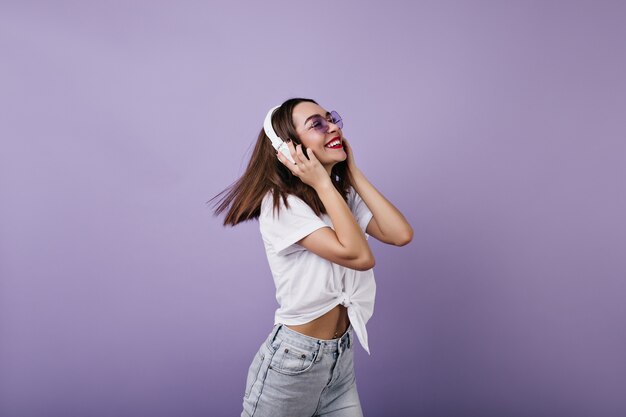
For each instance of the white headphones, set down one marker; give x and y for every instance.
(277, 142)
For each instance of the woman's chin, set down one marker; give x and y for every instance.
(339, 155)
(335, 161)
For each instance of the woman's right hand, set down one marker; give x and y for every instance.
(310, 171)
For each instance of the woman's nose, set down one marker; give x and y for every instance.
(331, 127)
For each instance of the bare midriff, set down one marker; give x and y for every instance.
(329, 326)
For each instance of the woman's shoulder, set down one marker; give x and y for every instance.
(293, 202)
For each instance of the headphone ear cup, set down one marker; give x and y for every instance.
(284, 149)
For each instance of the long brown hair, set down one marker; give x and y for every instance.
(266, 173)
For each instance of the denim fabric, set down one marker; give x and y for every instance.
(293, 375)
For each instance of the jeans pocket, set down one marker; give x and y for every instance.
(253, 371)
(293, 360)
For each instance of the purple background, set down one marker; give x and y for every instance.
(497, 128)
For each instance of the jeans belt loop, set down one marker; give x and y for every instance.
(318, 353)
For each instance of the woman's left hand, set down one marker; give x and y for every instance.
(350, 159)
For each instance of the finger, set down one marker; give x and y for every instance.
(311, 154)
(292, 149)
(292, 152)
(286, 162)
(281, 158)
(346, 145)
(300, 154)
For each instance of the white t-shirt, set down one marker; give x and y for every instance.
(307, 285)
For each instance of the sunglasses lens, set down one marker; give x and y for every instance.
(320, 124)
(336, 119)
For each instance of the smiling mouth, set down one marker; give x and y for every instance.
(334, 144)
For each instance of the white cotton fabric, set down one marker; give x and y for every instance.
(307, 285)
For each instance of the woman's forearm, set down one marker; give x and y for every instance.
(346, 228)
(392, 224)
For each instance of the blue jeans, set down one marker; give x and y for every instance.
(294, 375)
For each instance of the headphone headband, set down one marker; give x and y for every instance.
(277, 142)
(269, 129)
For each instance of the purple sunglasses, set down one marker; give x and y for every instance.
(321, 124)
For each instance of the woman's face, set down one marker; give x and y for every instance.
(306, 117)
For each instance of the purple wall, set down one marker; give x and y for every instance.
(496, 127)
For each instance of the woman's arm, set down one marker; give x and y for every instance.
(346, 245)
(388, 225)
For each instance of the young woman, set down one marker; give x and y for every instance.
(315, 211)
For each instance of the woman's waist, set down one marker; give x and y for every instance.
(330, 325)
